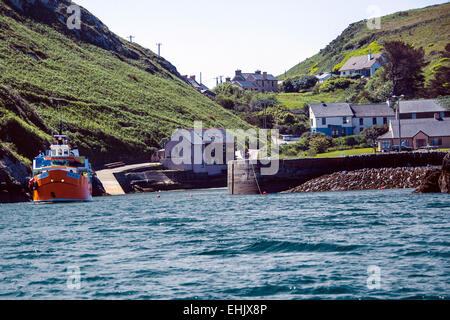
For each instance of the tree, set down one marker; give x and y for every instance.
(371, 135)
(404, 65)
(440, 85)
(295, 85)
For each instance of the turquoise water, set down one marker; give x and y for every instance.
(215, 246)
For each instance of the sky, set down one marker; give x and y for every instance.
(216, 38)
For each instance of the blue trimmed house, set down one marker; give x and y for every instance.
(334, 119)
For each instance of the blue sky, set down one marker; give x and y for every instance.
(217, 37)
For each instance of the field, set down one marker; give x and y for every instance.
(112, 106)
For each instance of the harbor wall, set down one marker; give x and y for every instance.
(246, 178)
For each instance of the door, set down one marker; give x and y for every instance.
(420, 143)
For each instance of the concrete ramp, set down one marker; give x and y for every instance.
(110, 182)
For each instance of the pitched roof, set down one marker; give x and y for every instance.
(410, 128)
(372, 110)
(247, 84)
(361, 62)
(254, 77)
(323, 110)
(418, 106)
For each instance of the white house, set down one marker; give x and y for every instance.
(199, 150)
(371, 115)
(363, 65)
(335, 119)
(324, 76)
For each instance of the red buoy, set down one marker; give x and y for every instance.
(158, 196)
(264, 192)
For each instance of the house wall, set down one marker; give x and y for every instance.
(368, 123)
(412, 141)
(213, 169)
(375, 67)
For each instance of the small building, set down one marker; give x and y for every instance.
(258, 81)
(422, 109)
(371, 115)
(321, 78)
(200, 87)
(365, 66)
(417, 133)
(198, 140)
(334, 119)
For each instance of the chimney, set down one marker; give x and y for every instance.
(192, 77)
(238, 72)
(265, 75)
(370, 55)
(258, 71)
(228, 79)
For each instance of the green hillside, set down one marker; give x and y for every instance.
(428, 28)
(119, 100)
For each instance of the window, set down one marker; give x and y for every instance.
(405, 143)
(312, 123)
(414, 116)
(385, 121)
(374, 121)
(324, 121)
(361, 122)
(436, 142)
(386, 145)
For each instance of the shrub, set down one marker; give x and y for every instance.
(320, 144)
(333, 85)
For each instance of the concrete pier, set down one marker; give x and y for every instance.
(292, 173)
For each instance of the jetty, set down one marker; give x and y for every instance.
(244, 176)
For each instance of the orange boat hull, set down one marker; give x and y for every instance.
(61, 186)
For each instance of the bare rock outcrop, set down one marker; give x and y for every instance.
(437, 181)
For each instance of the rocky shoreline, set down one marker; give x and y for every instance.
(367, 179)
(430, 179)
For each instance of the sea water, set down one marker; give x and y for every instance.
(387, 244)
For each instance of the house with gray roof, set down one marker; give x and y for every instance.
(343, 119)
(333, 119)
(422, 109)
(258, 81)
(363, 65)
(417, 133)
(371, 115)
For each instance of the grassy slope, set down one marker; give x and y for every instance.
(428, 28)
(113, 106)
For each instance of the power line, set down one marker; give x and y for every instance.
(131, 38)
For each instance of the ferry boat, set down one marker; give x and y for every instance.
(61, 175)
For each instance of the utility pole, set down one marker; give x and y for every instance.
(399, 121)
(131, 38)
(159, 48)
